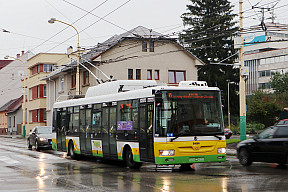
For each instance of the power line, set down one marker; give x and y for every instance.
(91, 24)
(68, 27)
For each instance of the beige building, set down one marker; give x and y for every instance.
(35, 90)
(139, 54)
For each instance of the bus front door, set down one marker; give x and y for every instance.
(61, 128)
(109, 131)
(146, 132)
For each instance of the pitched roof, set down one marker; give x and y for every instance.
(139, 32)
(6, 105)
(3, 63)
(15, 105)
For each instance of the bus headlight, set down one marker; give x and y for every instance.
(42, 139)
(221, 150)
(166, 152)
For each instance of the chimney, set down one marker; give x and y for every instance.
(22, 52)
(18, 55)
(69, 50)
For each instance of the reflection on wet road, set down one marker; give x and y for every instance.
(29, 170)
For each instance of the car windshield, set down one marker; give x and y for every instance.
(189, 113)
(44, 130)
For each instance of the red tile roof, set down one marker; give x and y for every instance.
(3, 63)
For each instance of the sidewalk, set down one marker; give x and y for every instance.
(231, 151)
(12, 136)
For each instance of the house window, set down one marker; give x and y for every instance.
(14, 120)
(138, 74)
(47, 68)
(44, 91)
(176, 76)
(130, 74)
(144, 46)
(30, 93)
(156, 75)
(149, 74)
(73, 80)
(86, 77)
(151, 46)
(61, 84)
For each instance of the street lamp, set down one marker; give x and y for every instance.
(24, 96)
(51, 21)
(229, 102)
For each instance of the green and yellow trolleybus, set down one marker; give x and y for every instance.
(139, 121)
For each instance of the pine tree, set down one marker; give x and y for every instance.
(209, 37)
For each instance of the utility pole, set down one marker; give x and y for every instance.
(242, 95)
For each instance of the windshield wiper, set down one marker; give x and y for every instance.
(220, 138)
(181, 134)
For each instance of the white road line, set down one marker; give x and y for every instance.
(8, 160)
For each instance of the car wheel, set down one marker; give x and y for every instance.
(28, 144)
(37, 146)
(244, 157)
(71, 151)
(129, 159)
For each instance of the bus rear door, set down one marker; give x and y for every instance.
(61, 128)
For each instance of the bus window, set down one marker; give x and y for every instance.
(70, 116)
(96, 120)
(75, 119)
(134, 115)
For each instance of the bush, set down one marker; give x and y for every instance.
(254, 128)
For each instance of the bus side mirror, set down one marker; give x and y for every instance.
(158, 99)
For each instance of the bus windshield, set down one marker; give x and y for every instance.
(189, 113)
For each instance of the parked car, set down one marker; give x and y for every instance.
(228, 133)
(283, 122)
(270, 146)
(40, 137)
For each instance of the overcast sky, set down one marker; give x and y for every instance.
(27, 21)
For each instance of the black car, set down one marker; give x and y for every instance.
(269, 146)
(40, 137)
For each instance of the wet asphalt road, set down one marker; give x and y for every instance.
(30, 170)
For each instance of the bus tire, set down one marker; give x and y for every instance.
(71, 151)
(37, 146)
(28, 144)
(129, 159)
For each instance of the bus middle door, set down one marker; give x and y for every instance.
(146, 132)
(61, 128)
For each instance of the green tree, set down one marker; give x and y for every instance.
(264, 108)
(209, 37)
(279, 82)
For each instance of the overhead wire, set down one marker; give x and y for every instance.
(91, 24)
(68, 26)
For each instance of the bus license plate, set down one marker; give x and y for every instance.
(197, 159)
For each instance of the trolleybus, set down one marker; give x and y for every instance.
(138, 121)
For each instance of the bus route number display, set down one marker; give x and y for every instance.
(189, 96)
(124, 126)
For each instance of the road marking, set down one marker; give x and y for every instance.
(8, 160)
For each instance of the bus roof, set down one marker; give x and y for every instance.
(132, 94)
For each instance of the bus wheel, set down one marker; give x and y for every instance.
(37, 146)
(28, 144)
(129, 160)
(71, 151)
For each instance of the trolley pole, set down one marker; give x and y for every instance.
(242, 80)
